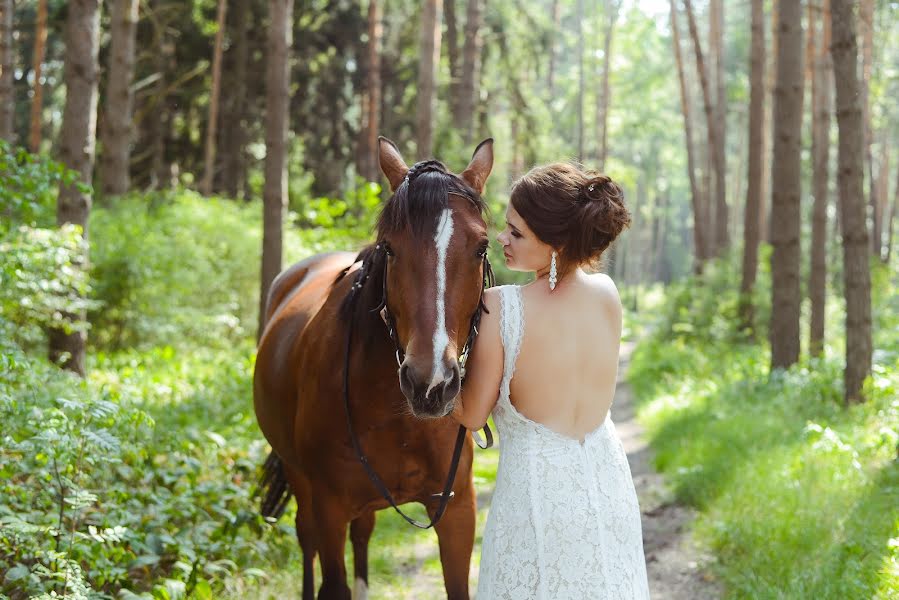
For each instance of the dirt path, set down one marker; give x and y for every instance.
(674, 563)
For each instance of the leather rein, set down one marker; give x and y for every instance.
(361, 277)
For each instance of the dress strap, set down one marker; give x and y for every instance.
(512, 328)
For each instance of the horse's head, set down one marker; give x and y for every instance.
(434, 240)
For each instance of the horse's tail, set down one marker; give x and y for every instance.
(273, 485)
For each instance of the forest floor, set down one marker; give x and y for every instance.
(675, 564)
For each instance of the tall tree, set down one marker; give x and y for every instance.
(603, 97)
(556, 14)
(866, 24)
(699, 237)
(212, 125)
(274, 194)
(372, 100)
(894, 214)
(37, 100)
(883, 193)
(579, 134)
(115, 134)
(7, 93)
(429, 60)
(717, 160)
(234, 121)
(821, 108)
(77, 145)
(452, 51)
(785, 196)
(767, 130)
(471, 68)
(751, 220)
(716, 39)
(856, 270)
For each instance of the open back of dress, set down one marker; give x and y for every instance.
(564, 521)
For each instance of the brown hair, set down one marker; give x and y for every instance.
(578, 212)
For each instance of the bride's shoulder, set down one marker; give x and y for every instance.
(605, 289)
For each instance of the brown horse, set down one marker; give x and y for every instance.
(426, 274)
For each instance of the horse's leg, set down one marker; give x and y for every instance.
(360, 533)
(455, 533)
(305, 528)
(331, 525)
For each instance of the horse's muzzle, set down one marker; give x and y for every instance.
(426, 399)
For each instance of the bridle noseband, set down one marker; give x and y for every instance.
(378, 256)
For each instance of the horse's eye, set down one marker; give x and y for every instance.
(388, 250)
(482, 251)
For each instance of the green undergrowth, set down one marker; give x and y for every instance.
(798, 495)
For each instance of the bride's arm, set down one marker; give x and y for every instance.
(484, 368)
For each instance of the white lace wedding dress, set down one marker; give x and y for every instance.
(564, 522)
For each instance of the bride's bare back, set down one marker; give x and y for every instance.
(567, 367)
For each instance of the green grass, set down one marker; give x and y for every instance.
(798, 496)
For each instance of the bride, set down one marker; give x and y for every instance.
(564, 520)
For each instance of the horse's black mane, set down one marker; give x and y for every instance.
(414, 206)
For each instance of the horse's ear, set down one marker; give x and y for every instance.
(478, 170)
(392, 163)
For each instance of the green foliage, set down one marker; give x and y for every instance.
(799, 497)
(28, 187)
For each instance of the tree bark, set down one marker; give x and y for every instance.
(894, 212)
(856, 249)
(471, 68)
(883, 193)
(429, 60)
(821, 109)
(556, 12)
(115, 136)
(767, 139)
(274, 197)
(699, 239)
(77, 145)
(452, 51)
(372, 105)
(7, 91)
(212, 124)
(234, 125)
(751, 219)
(711, 129)
(580, 80)
(722, 235)
(866, 24)
(604, 95)
(786, 188)
(37, 101)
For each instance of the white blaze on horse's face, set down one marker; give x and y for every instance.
(442, 237)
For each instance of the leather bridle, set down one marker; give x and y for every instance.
(362, 275)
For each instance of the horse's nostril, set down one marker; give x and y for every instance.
(452, 387)
(407, 385)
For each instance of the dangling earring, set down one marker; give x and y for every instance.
(553, 273)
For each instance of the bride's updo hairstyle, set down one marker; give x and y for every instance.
(578, 212)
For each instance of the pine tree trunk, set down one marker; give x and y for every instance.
(785, 197)
(821, 109)
(603, 97)
(711, 129)
(234, 125)
(452, 51)
(883, 193)
(274, 195)
(116, 132)
(7, 92)
(850, 176)
(429, 60)
(37, 101)
(580, 77)
(866, 25)
(751, 220)
(471, 69)
(212, 124)
(556, 13)
(722, 235)
(767, 139)
(372, 105)
(894, 214)
(699, 237)
(77, 145)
